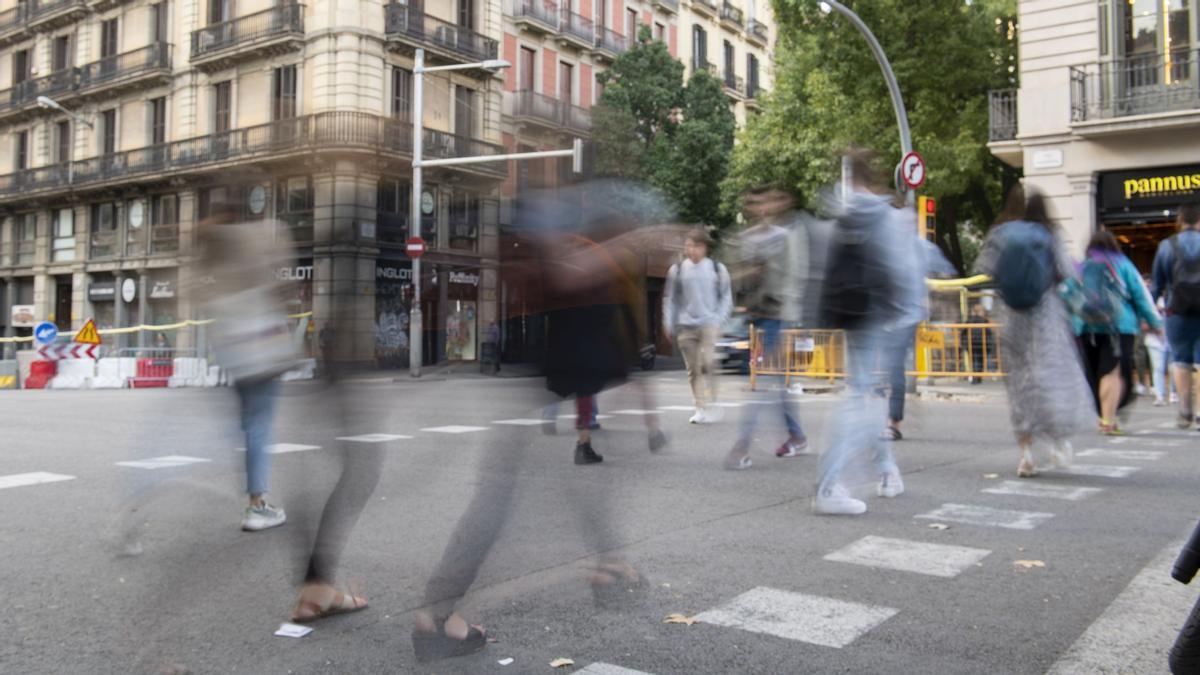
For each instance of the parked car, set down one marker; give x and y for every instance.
(733, 345)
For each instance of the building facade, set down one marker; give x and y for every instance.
(296, 113)
(1106, 121)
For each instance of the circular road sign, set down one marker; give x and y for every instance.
(912, 170)
(45, 333)
(415, 246)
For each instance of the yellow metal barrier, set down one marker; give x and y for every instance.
(133, 329)
(808, 353)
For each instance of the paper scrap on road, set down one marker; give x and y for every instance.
(505, 662)
(938, 526)
(679, 618)
(991, 476)
(292, 630)
(1029, 564)
(561, 663)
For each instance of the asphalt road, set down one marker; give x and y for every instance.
(775, 588)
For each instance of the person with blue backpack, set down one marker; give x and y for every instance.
(1108, 302)
(1177, 280)
(1047, 392)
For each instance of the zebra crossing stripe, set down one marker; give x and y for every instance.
(163, 462)
(524, 422)
(282, 448)
(971, 514)
(608, 669)
(1024, 488)
(797, 616)
(33, 478)
(1123, 455)
(1099, 470)
(454, 429)
(374, 438)
(938, 560)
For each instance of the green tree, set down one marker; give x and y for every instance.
(649, 126)
(830, 94)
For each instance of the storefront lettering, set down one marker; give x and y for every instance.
(464, 278)
(394, 273)
(1161, 186)
(299, 273)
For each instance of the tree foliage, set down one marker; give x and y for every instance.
(650, 126)
(829, 94)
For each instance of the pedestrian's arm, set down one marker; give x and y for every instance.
(669, 301)
(1143, 304)
(1161, 271)
(725, 308)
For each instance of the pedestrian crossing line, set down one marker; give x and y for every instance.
(571, 416)
(1097, 470)
(1124, 455)
(283, 448)
(727, 404)
(796, 616)
(938, 560)
(164, 462)
(681, 408)
(986, 516)
(635, 411)
(32, 478)
(454, 429)
(1024, 488)
(599, 668)
(1153, 443)
(524, 422)
(374, 438)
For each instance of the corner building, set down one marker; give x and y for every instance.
(1106, 120)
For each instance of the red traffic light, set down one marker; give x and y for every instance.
(930, 205)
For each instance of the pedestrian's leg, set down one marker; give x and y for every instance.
(1157, 380)
(708, 356)
(257, 411)
(852, 430)
(1025, 467)
(689, 346)
(1111, 386)
(1183, 389)
(896, 353)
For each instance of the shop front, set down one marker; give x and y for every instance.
(297, 281)
(393, 301)
(1140, 206)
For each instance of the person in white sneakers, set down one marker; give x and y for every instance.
(697, 300)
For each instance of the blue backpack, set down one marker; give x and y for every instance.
(1102, 293)
(1025, 268)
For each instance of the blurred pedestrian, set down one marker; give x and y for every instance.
(1047, 391)
(900, 335)
(769, 261)
(1156, 351)
(866, 267)
(1177, 280)
(978, 342)
(697, 300)
(1111, 300)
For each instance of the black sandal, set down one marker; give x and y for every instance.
(436, 646)
(891, 434)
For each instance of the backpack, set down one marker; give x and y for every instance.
(1185, 281)
(678, 288)
(1102, 293)
(856, 285)
(1024, 270)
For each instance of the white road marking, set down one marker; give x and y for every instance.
(986, 516)
(163, 462)
(34, 478)
(454, 429)
(727, 404)
(281, 448)
(796, 616)
(524, 422)
(633, 411)
(939, 560)
(1124, 455)
(374, 438)
(608, 669)
(1024, 488)
(572, 416)
(1135, 632)
(681, 408)
(1100, 470)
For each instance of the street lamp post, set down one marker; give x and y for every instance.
(50, 104)
(889, 76)
(415, 327)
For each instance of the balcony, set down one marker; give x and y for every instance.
(707, 7)
(735, 86)
(756, 32)
(134, 69)
(1002, 115)
(43, 15)
(12, 24)
(1154, 91)
(609, 44)
(274, 31)
(536, 16)
(668, 6)
(732, 17)
(445, 145)
(574, 29)
(278, 143)
(532, 108)
(576, 119)
(20, 100)
(408, 29)
(753, 91)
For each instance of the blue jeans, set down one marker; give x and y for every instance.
(257, 409)
(858, 423)
(898, 343)
(1183, 333)
(791, 417)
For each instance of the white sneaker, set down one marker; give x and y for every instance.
(714, 414)
(263, 518)
(699, 417)
(1063, 454)
(836, 501)
(1141, 389)
(1159, 402)
(890, 485)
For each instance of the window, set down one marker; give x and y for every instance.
(631, 22)
(699, 48)
(464, 112)
(527, 68)
(729, 61)
(62, 245)
(158, 22)
(108, 38)
(62, 141)
(164, 223)
(222, 105)
(401, 93)
(466, 13)
(751, 75)
(21, 66)
(602, 13)
(294, 207)
(61, 54)
(22, 150)
(283, 95)
(108, 131)
(660, 32)
(219, 10)
(136, 214)
(24, 238)
(158, 120)
(566, 82)
(599, 88)
(464, 221)
(104, 230)
(393, 203)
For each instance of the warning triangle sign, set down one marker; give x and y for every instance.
(88, 335)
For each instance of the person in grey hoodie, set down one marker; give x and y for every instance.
(697, 300)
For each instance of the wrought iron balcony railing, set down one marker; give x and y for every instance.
(610, 41)
(576, 26)
(735, 84)
(707, 6)
(576, 118)
(25, 93)
(148, 59)
(248, 30)
(1141, 85)
(539, 11)
(757, 31)
(733, 15)
(531, 104)
(430, 31)
(668, 5)
(1002, 114)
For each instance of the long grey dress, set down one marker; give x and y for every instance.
(1048, 395)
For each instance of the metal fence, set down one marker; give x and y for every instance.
(610, 41)
(429, 30)
(148, 59)
(1138, 85)
(577, 25)
(1002, 115)
(244, 30)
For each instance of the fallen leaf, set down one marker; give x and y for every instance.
(938, 526)
(561, 663)
(1029, 564)
(991, 475)
(679, 618)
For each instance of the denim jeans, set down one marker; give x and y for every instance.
(257, 408)
(896, 347)
(858, 421)
(791, 417)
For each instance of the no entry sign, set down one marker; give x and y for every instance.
(415, 247)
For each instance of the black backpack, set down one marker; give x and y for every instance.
(856, 286)
(1025, 267)
(1185, 282)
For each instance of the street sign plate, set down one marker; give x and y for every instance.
(912, 170)
(45, 333)
(415, 247)
(87, 334)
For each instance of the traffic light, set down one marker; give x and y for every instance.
(927, 218)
